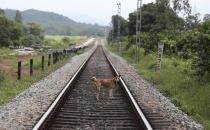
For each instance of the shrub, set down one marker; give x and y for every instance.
(25, 41)
(1, 76)
(65, 39)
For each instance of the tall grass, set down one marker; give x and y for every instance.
(186, 91)
(1, 76)
(5, 51)
(56, 41)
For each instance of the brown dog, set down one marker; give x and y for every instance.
(110, 83)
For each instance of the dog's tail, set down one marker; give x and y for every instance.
(93, 78)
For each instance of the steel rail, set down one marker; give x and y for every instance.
(58, 99)
(130, 96)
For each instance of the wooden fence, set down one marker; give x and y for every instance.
(57, 55)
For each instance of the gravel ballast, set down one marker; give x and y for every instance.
(149, 96)
(25, 109)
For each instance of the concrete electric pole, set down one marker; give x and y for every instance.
(112, 30)
(138, 30)
(105, 33)
(119, 14)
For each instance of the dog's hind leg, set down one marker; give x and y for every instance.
(110, 93)
(98, 91)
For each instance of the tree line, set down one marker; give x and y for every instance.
(56, 24)
(15, 33)
(185, 38)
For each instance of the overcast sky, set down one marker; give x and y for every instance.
(88, 11)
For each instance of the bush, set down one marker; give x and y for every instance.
(195, 45)
(25, 41)
(1, 76)
(65, 39)
(9, 31)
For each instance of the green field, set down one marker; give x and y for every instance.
(5, 51)
(57, 43)
(190, 93)
(10, 86)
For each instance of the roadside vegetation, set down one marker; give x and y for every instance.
(5, 51)
(188, 92)
(185, 74)
(60, 42)
(16, 34)
(10, 86)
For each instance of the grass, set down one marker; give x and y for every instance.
(191, 94)
(10, 86)
(56, 41)
(5, 51)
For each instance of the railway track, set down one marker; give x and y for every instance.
(76, 106)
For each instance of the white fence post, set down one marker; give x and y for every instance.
(160, 53)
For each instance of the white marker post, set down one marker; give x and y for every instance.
(160, 53)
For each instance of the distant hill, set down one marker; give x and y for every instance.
(56, 24)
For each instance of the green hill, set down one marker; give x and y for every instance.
(56, 24)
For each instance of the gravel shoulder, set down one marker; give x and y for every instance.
(25, 109)
(149, 96)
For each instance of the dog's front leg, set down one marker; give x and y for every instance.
(98, 92)
(110, 93)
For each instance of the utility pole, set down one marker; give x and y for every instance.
(138, 30)
(105, 33)
(119, 14)
(112, 30)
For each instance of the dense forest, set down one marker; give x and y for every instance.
(56, 24)
(187, 38)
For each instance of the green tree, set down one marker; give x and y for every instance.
(149, 12)
(206, 17)
(203, 53)
(192, 21)
(35, 29)
(18, 17)
(156, 18)
(66, 40)
(35, 33)
(160, 23)
(5, 27)
(9, 31)
(194, 44)
(123, 26)
(166, 17)
(2, 12)
(178, 5)
(16, 31)
(26, 41)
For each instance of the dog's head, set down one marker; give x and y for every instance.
(117, 78)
